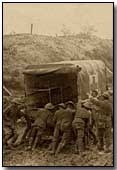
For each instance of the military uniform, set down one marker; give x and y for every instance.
(40, 125)
(80, 125)
(92, 126)
(9, 121)
(103, 122)
(27, 131)
(63, 122)
(111, 102)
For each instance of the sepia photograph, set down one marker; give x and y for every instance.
(57, 84)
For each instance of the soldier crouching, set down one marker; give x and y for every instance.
(39, 126)
(63, 125)
(10, 114)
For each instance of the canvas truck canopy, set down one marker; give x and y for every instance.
(54, 83)
(62, 81)
(93, 75)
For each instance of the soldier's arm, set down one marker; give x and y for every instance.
(96, 102)
(50, 121)
(55, 117)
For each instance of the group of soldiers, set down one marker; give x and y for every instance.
(87, 121)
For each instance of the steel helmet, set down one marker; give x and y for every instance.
(69, 102)
(105, 95)
(61, 105)
(49, 106)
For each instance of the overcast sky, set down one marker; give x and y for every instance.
(49, 18)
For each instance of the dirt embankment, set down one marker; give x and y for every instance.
(24, 49)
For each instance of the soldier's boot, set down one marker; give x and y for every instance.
(94, 138)
(30, 143)
(28, 135)
(76, 149)
(24, 137)
(76, 146)
(60, 147)
(50, 147)
(6, 139)
(107, 146)
(12, 140)
(15, 138)
(95, 141)
(53, 146)
(107, 140)
(100, 144)
(33, 134)
(81, 146)
(35, 142)
(37, 139)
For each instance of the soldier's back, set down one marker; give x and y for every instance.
(59, 115)
(64, 114)
(106, 107)
(82, 113)
(41, 116)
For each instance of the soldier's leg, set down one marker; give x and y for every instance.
(92, 134)
(32, 137)
(13, 138)
(86, 137)
(29, 134)
(37, 137)
(55, 139)
(100, 134)
(86, 134)
(107, 138)
(75, 130)
(7, 134)
(80, 142)
(65, 139)
(26, 134)
(76, 143)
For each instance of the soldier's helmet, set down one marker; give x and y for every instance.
(62, 105)
(94, 93)
(49, 106)
(70, 103)
(105, 95)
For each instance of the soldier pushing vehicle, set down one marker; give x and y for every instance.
(10, 116)
(103, 121)
(40, 124)
(63, 125)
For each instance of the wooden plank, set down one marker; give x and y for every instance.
(7, 91)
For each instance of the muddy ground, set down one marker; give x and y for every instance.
(42, 157)
(20, 156)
